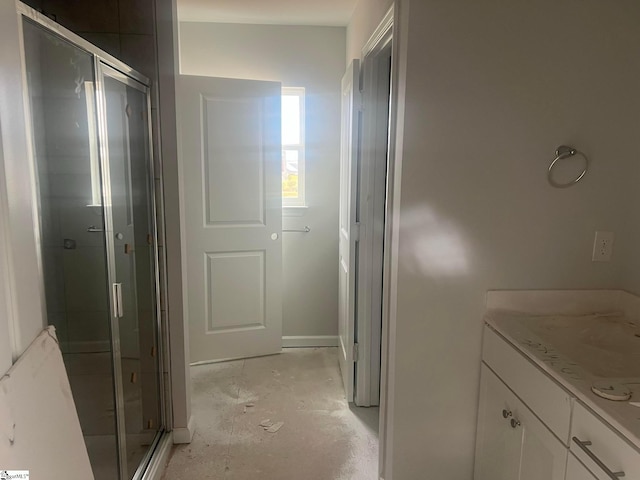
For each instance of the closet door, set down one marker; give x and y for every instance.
(131, 233)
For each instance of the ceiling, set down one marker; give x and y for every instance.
(269, 12)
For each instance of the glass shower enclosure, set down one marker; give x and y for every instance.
(93, 169)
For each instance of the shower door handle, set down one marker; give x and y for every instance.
(117, 300)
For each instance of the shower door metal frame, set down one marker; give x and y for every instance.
(102, 62)
(103, 70)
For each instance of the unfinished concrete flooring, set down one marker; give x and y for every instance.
(321, 437)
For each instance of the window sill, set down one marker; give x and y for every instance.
(294, 211)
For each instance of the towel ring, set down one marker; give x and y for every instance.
(566, 152)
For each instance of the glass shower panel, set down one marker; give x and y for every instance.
(60, 80)
(134, 234)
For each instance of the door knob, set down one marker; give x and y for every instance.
(515, 423)
(274, 236)
(506, 413)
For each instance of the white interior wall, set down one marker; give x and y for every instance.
(310, 57)
(492, 88)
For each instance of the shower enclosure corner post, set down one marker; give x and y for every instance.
(19, 189)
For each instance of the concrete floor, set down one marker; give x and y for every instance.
(321, 439)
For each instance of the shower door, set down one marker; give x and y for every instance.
(60, 83)
(94, 176)
(130, 229)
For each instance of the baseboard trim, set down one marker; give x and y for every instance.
(310, 341)
(160, 457)
(184, 435)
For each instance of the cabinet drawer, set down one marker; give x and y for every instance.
(606, 446)
(541, 394)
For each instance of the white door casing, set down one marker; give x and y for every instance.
(348, 228)
(230, 150)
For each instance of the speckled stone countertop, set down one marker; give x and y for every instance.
(578, 349)
(578, 337)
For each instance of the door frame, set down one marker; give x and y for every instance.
(391, 25)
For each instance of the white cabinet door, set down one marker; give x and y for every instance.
(544, 457)
(231, 182)
(577, 471)
(512, 443)
(498, 444)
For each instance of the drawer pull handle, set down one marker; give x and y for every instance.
(506, 413)
(583, 446)
(515, 423)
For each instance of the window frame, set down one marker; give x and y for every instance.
(300, 201)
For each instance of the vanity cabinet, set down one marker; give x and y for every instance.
(512, 443)
(531, 428)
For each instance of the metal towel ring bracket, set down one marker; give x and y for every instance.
(563, 152)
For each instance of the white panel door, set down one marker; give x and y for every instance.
(230, 156)
(348, 228)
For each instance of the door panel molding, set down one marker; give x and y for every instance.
(227, 162)
(229, 307)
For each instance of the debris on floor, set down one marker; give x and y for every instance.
(275, 427)
(321, 439)
(271, 427)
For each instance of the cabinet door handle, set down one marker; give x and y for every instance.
(515, 423)
(506, 413)
(583, 446)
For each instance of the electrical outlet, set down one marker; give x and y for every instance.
(602, 247)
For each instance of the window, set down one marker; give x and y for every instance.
(293, 147)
